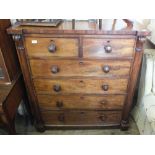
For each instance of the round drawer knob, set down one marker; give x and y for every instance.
(52, 47)
(55, 69)
(61, 117)
(106, 69)
(108, 48)
(59, 104)
(102, 117)
(57, 88)
(105, 87)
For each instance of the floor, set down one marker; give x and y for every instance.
(25, 128)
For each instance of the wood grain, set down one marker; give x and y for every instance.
(100, 102)
(29, 83)
(132, 84)
(82, 27)
(120, 47)
(64, 47)
(81, 117)
(78, 59)
(5, 76)
(8, 56)
(86, 86)
(67, 68)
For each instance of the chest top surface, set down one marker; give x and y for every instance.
(106, 26)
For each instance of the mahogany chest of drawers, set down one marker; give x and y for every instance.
(82, 76)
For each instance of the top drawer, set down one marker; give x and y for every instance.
(108, 47)
(57, 47)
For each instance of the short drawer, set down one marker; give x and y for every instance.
(88, 86)
(65, 68)
(84, 118)
(52, 47)
(108, 48)
(99, 102)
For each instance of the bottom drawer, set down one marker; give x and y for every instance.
(81, 118)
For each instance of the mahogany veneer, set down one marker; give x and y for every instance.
(80, 74)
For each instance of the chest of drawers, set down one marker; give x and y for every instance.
(79, 77)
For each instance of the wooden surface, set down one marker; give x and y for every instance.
(81, 68)
(4, 91)
(86, 86)
(8, 56)
(109, 26)
(63, 71)
(120, 47)
(82, 118)
(4, 76)
(87, 102)
(12, 89)
(10, 98)
(64, 47)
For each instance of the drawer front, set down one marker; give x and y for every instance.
(108, 47)
(84, 118)
(52, 47)
(104, 102)
(88, 86)
(55, 68)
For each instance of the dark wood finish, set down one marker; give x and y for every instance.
(82, 118)
(91, 102)
(61, 68)
(133, 82)
(83, 28)
(86, 86)
(12, 89)
(80, 73)
(10, 98)
(8, 57)
(28, 83)
(97, 47)
(62, 47)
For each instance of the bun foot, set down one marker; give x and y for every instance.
(124, 125)
(40, 127)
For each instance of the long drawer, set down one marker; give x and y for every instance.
(64, 68)
(81, 118)
(108, 47)
(85, 86)
(52, 47)
(100, 102)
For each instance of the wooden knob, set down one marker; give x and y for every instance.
(105, 87)
(59, 104)
(55, 69)
(57, 88)
(52, 47)
(106, 69)
(61, 117)
(108, 48)
(102, 117)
